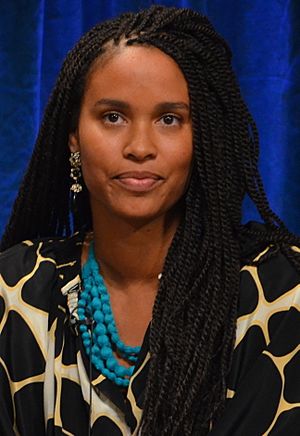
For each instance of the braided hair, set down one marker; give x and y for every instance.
(194, 315)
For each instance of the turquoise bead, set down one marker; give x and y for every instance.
(100, 329)
(106, 309)
(108, 318)
(84, 295)
(111, 363)
(95, 349)
(115, 337)
(102, 340)
(112, 376)
(105, 298)
(86, 342)
(94, 301)
(106, 352)
(120, 371)
(98, 316)
(108, 374)
(94, 291)
(111, 329)
(122, 382)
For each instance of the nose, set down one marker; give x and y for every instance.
(140, 145)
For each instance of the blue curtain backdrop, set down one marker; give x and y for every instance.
(35, 35)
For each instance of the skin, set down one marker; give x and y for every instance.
(134, 117)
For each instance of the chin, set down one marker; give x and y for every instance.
(136, 212)
(140, 219)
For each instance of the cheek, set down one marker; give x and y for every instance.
(93, 166)
(97, 154)
(186, 159)
(100, 155)
(183, 160)
(181, 169)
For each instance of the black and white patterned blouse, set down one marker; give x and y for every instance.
(45, 374)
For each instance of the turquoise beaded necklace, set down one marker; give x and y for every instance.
(103, 340)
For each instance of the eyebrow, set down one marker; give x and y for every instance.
(169, 106)
(164, 106)
(111, 102)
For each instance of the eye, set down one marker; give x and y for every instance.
(170, 120)
(113, 118)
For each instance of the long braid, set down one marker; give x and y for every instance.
(194, 315)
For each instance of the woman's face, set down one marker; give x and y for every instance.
(135, 134)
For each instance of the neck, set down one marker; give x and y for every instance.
(132, 253)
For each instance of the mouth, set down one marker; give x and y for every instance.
(138, 181)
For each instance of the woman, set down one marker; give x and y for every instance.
(129, 326)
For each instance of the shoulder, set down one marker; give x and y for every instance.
(266, 356)
(267, 271)
(267, 332)
(268, 279)
(269, 291)
(270, 268)
(269, 294)
(39, 257)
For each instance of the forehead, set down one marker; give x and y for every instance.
(137, 68)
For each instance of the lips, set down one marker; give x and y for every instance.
(138, 175)
(138, 181)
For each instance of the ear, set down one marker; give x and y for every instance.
(74, 141)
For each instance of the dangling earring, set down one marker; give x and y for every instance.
(76, 187)
(75, 173)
